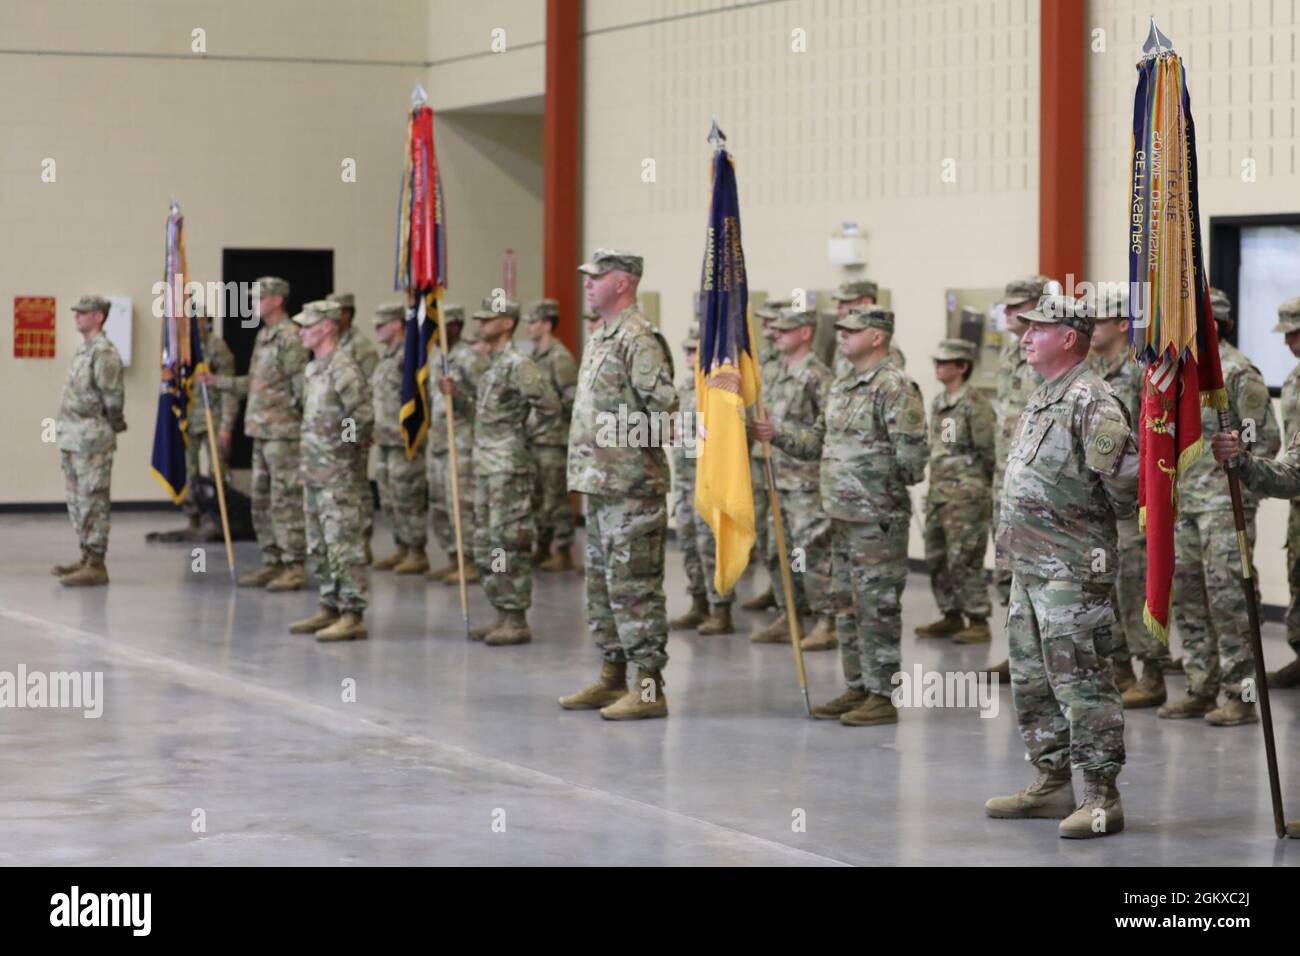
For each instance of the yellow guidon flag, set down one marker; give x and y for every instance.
(726, 383)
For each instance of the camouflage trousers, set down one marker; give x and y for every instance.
(1067, 705)
(758, 481)
(956, 537)
(1209, 604)
(808, 543)
(699, 553)
(335, 548)
(404, 496)
(86, 479)
(551, 497)
(869, 571)
(365, 499)
(1131, 635)
(503, 538)
(626, 608)
(1293, 577)
(199, 445)
(439, 482)
(277, 501)
(1001, 565)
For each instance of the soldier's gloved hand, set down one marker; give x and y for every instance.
(1226, 446)
(763, 430)
(224, 439)
(447, 386)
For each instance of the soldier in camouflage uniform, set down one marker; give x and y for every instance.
(466, 366)
(1111, 360)
(366, 356)
(403, 488)
(1209, 605)
(859, 294)
(1288, 322)
(796, 395)
(225, 406)
(769, 358)
(626, 369)
(551, 441)
(512, 392)
(871, 440)
(710, 612)
(962, 427)
(90, 417)
(337, 425)
(1071, 472)
(273, 419)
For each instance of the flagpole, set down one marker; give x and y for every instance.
(454, 464)
(220, 480)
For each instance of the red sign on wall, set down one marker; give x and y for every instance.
(33, 326)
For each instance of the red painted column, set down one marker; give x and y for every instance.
(1060, 141)
(561, 164)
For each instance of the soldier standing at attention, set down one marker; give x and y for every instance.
(626, 369)
(796, 394)
(366, 356)
(551, 441)
(225, 406)
(90, 417)
(962, 427)
(768, 357)
(1071, 472)
(337, 422)
(871, 440)
(1288, 323)
(466, 366)
(859, 294)
(403, 491)
(1209, 604)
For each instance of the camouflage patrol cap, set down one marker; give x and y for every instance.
(794, 319)
(1288, 316)
(317, 311)
(388, 312)
(612, 260)
(1220, 305)
(872, 317)
(344, 300)
(91, 303)
(453, 313)
(1108, 305)
(955, 350)
(771, 309)
(1028, 289)
(1054, 309)
(489, 305)
(272, 285)
(692, 340)
(544, 309)
(854, 289)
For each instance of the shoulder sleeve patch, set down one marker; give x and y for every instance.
(1106, 443)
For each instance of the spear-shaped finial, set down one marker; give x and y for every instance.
(419, 97)
(717, 138)
(1156, 42)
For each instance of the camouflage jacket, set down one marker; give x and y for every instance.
(561, 371)
(386, 397)
(684, 458)
(797, 395)
(1274, 479)
(274, 382)
(769, 365)
(1203, 485)
(626, 379)
(1291, 405)
(466, 368)
(362, 350)
(1125, 376)
(1071, 473)
(337, 418)
(91, 407)
(511, 390)
(871, 439)
(225, 404)
(1017, 380)
(962, 427)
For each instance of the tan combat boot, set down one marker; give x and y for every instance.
(1149, 691)
(718, 621)
(1233, 713)
(947, 626)
(415, 562)
(561, 560)
(1293, 829)
(761, 602)
(976, 632)
(392, 561)
(89, 575)
(645, 699)
(513, 629)
(609, 687)
(1287, 677)
(694, 617)
(481, 633)
(1050, 796)
(876, 709)
(1125, 679)
(59, 570)
(440, 574)
(310, 625)
(261, 577)
(832, 709)
(778, 632)
(1101, 813)
(1189, 706)
(349, 627)
(471, 575)
(292, 577)
(822, 637)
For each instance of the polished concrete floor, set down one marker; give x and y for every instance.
(225, 740)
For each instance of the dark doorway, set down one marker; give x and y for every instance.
(310, 274)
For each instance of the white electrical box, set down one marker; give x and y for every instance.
(846, 250)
